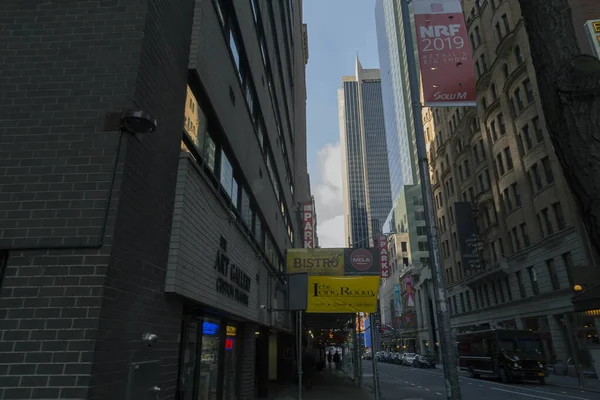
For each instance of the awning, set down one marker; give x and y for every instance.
(587, 300)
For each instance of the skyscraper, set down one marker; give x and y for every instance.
(366, 179)
(395, 87)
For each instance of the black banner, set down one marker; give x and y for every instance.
(468, 240)
(361, 261)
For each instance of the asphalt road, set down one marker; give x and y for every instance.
(406, 383)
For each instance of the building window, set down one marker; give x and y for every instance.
(560, 217)
(539, 134)
(567, 259)
(521, 285)
(525, 235)
(507, 200)
(518, 103)
(499, 164)
(501, 290)
(526, 137)
(234, 51)
(534, 282)
(403, 246)
(498, 31)
(508, 157)
(505, 22)
(501, 124)
(553, 274)
(209, 358)
(494, 92)
(515, 238)
(528, 90)
(508, 291)
(548, 170)
(505, 71)
(516, 194)
(230, 362)
(536, 177)
(226, 178)
(519, 55)
(547, 222)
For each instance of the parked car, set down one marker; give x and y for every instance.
(408, 358)
(424, 361)
(396, 358)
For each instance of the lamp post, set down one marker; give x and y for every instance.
(448, 347)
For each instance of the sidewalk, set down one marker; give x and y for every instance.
(328, 384)
(591, 385)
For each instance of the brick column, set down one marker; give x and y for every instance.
(247, 362)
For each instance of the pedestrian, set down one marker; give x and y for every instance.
(329, 358)
(337, 360)
(308, 368)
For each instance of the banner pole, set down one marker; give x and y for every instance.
(449, 359)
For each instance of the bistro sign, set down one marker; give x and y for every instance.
(237, 287)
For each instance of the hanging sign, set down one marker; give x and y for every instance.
(445, 56)
(347, 294)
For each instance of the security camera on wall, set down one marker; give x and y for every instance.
(263, 307)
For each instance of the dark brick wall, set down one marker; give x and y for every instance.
(69, 308)
(134, 302)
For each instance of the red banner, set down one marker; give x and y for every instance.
(382, 246)
(308, 228)
(445, 57)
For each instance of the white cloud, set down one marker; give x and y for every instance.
(328, 197)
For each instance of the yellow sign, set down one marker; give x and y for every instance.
(315, 261)
(596, 26)
(337, 294)
(231, 330)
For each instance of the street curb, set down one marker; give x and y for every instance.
(573, 388)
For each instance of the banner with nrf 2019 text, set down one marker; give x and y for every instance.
(445, 55)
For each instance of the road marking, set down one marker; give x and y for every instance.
(420, 387)
(523, 394)
(438, 393)
(427, 389)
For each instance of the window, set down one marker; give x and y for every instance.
(478, 35)
(534, 282)
(500, 165)
(516, 194)
(539, 135)
(553, 274)
(501, 290)
(521, 285)
(528, 90)
(493, 130)
(209, 356)
(498, 31)
(475, 154)
(548, 170)
(526, 137)
(422, 246)
(507, 201)
(462, 302)
(467, 168)
(525, 235)
(536, 177)
(505, 22)
(226, 178)
(501, 124)
(547, 222)
(508, 157)
(518, 103)
(494, 293)
(505, 71)
(507, 285)
(567, 259)
(403, 246)
(515, 238)
(494, 92)
(519, 55)
(560, 217)
(468, 295)
(233, 46)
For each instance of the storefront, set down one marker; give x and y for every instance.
(210, 358)
(229, 335)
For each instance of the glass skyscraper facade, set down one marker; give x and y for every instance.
(395, 86)
(366, 179)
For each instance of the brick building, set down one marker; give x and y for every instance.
(139, 261)
(498, 160)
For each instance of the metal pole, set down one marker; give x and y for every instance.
(374, 341)
(574, 349)
(355, 355)
(299, 355)
(448, 347)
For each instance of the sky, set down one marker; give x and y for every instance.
(338, 30)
